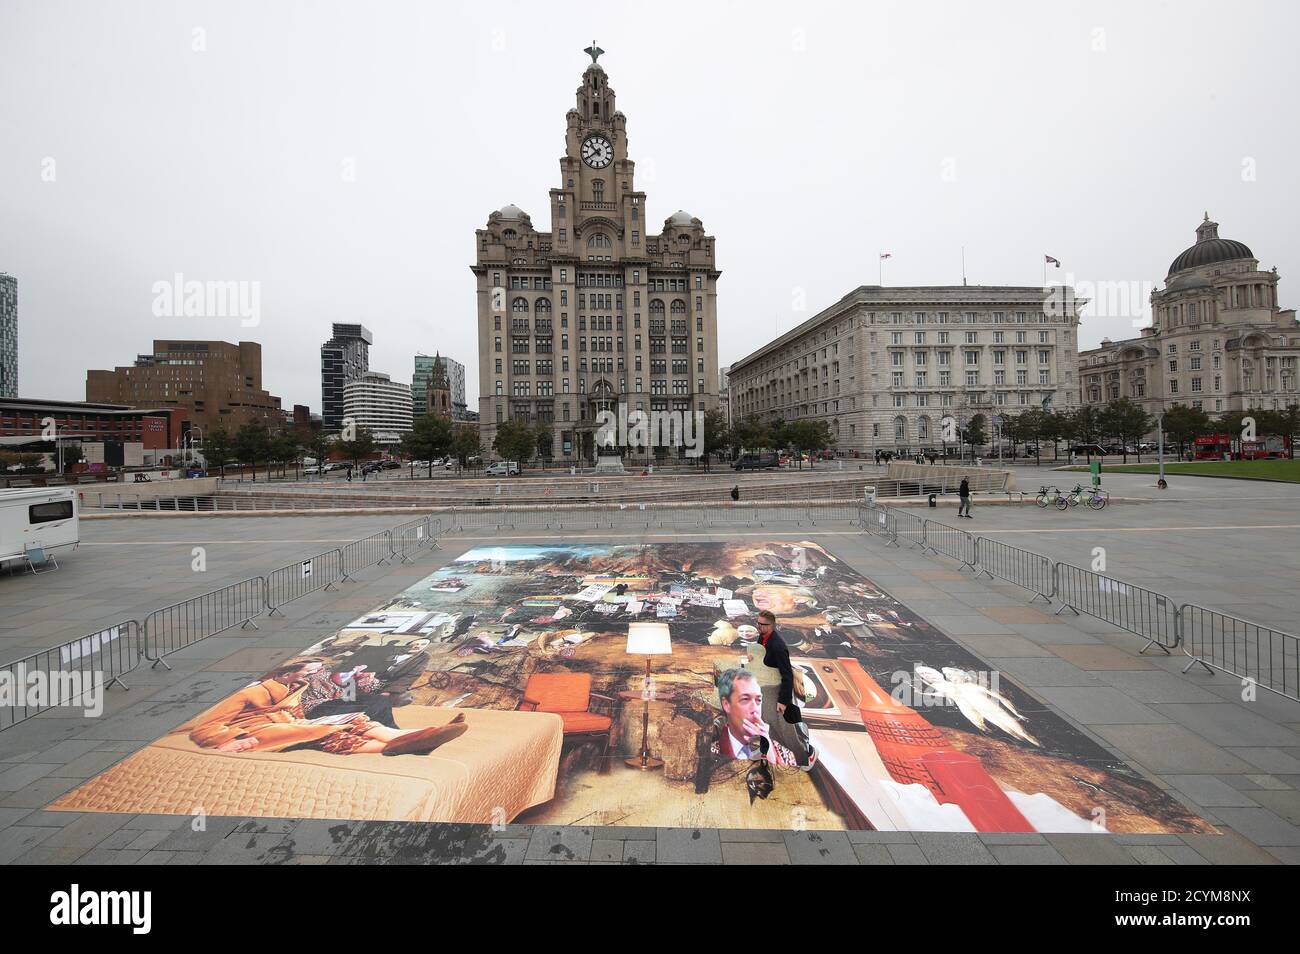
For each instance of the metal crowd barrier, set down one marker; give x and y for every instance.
(374, 550)
(63, 676)
(1269, 657)
(297, 579)
(1142, 612)
(410, 537)
(182, 624)
(909, 527)
(950, 541)
(1033, 571)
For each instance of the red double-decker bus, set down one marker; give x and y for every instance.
(1224, 447)
(1212, 447)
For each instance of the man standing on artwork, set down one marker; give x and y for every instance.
(776, 655)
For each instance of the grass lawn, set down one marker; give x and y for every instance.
(1288, 470)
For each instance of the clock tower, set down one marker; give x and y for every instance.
(596, 312)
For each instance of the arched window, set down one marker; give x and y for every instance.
(900, 429)
(543, 305)
(657, 308)
(599, 240)
(923, 428)
(679, 307)
(519, 305)
(508, 233)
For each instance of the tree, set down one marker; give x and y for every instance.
(321, 446)
(1126, 422)
(749, 434)
(430, 436)
(1056, 428)
(284, 447)
(72, 454)
(1184, 424)
(1085, 428)
(807, 435)
(362, 445)
(252, 443)
(715, 436)
(466, 443)
(515, 441)
(1285, 423)
(1030, 426)
(218, 449)
(975, 435)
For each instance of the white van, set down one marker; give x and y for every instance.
(44, 517)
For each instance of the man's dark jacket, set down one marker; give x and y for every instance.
(777, 655)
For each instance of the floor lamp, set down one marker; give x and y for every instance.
(647, 639)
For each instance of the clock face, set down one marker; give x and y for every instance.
(597, 152)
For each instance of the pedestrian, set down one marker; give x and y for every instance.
(735, 492)
(777, 655)
(963, 492)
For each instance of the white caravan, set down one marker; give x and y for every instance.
(44, 518)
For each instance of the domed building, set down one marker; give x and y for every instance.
(598, 311)
(1218, 339)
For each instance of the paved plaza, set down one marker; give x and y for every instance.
(1231, 545)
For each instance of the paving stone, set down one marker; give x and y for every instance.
(639, 852)
(688, 846)
(873, 854)
(1209, 790)
(19, 839)
(90, 830)
(1228, 848)
(41, 792)
(88, 765)
(1261, 826)
(1170, 749)
(1095, 657)
(753, 834)
(1183, 855)
(906, 854)
(22, 774)
(1285, 804)
(1272, 760)
(954, 848)
(755, 853)
(1100, 706)
(1156, 686)
(1088, 849)
(1027, 855)
(558, 843)
(1044, 672)
(604, 849)
(820, 848)
(1149, 855)
(1228, 724)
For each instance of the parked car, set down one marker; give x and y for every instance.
(392, 465)
(309, 471)
(1092, 450)
(756, 462)
(502, 468)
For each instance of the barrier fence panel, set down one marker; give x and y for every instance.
(1024, 568)
(909, 527)
(411, 537)
(182, 624)
(1269, 657)
(373, 550)
(950, 541)
(1141, 611)
(73, 674)
(877, 520)
(297, 579)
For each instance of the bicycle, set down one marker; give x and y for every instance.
(1096, 500)
(1046, 495)
(1072, 499)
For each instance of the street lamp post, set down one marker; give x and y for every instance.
(1160, 450)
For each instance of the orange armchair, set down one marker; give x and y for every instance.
(569, 696)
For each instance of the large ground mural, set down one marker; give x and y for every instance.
(579, 684)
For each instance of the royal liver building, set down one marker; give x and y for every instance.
(598, 310)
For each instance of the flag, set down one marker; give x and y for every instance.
(1052, 261)
(886, 255)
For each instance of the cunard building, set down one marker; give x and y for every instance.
(598, 310)
(1218, 340)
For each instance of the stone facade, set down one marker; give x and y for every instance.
(597, 311)
(883, 366)
(1218, 341)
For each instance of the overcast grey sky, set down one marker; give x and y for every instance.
(808, 138)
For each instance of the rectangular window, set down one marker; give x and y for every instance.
(46, 512)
